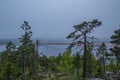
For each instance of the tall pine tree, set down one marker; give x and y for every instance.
(79, 37)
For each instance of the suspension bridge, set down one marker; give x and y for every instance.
(75, 43)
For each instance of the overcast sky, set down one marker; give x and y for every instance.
(54, 19)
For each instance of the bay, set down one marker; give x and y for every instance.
(48, 50)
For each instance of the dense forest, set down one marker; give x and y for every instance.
(24, 62)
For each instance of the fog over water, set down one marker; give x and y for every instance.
(44, 48)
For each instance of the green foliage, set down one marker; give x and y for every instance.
(10, 46)
(77, 62)
(66, 62)
(16, 63)
(27, 52)
(91, 63)
(103, 58)
(7, 70)
(115, 39)
(111, 66)
(44, 62)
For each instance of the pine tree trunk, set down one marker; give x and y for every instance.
(85, 59)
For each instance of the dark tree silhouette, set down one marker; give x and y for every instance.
(79, 37)
(103, 55)
(115, 39)
(25, 40)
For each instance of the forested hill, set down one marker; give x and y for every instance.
(5, 41)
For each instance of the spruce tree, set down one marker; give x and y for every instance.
(26, 48)
(103, 56)
(115, 39)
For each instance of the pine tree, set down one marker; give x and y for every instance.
(79, 37)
